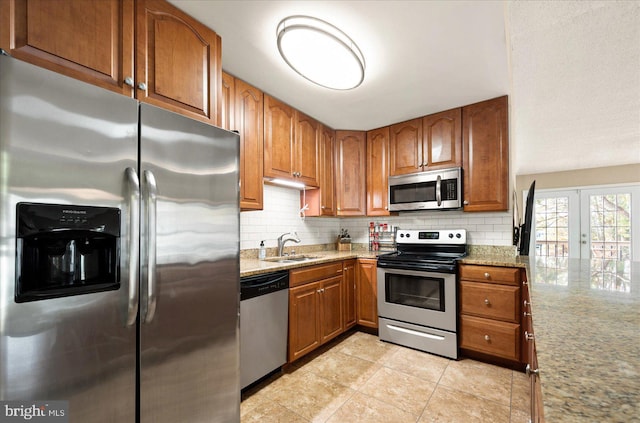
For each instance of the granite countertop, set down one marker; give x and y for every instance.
(253, 266)
(586, 321)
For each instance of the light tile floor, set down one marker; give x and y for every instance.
(358, 378)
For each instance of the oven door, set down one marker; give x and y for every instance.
(418, 297)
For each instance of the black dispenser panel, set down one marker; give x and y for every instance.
(65, 250)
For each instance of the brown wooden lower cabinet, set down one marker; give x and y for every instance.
(491, 319)
(367, 289)
(316, 298)
(349, 281)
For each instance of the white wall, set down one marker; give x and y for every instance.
(280, 215)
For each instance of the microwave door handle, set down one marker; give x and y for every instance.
(438, 190)
(151, 200)
(134, 244)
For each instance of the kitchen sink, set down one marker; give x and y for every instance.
(291, 259)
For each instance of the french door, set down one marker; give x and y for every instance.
(599, 222)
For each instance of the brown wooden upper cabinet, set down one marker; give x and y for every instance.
(350, 173)
(428, 143)
(485, 135)
(321, 202)
(175, 62)
(290, 143)
(378, 172)
(405, 148)
(243, 111)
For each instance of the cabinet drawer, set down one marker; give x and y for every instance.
(500, 339)
(314, 273)
(491, 274)
(490, 300)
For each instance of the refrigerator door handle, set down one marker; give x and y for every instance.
(134, 243)
(150, 198)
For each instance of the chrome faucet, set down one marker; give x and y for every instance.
(282, 239)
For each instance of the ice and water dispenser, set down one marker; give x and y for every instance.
(64, 250)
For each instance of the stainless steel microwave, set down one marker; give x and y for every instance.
(433, 190)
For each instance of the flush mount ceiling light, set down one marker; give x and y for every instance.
(320, 52)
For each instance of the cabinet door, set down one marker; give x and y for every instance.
(349, 285)
(442, 139)
(227, 102)
(327, 171)
(179, 61)
(350, 174)
(304, 320)
(367, 292)
(405, 150)
(279, 130)
(378, 172)
(331, 300)
(306, 150)
(248, 122)
(89, 41)
(485, 136)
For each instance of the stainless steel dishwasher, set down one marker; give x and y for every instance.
(264, 317)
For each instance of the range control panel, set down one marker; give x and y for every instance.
(431, 236)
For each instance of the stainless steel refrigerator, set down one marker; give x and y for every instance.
(119, 254)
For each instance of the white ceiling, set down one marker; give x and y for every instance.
(421, 56)
(571, 68)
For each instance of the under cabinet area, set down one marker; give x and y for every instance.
(490, 313)
(147, 49)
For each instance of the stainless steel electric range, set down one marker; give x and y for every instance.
(417, 290)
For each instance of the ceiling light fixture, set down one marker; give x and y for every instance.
(320, 52)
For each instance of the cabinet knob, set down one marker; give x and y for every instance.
(322, 207)
(526, 303)
(529, 371)
(142, 86)
(527, 314)
(487, 275)
(487, 338)
(129, 81)
(487, 302)
(528, 336)
(465, 202)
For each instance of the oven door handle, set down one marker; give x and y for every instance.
(438, 188)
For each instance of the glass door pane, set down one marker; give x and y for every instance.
(555, 224)
(607, 230)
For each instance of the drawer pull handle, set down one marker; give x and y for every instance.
(528, 336)
(487, 302)
(487, 275)
(487, 338)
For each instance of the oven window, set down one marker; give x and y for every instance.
(415, 291)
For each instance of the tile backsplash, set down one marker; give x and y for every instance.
(281, 214)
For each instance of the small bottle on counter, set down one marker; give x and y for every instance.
(262, 254)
